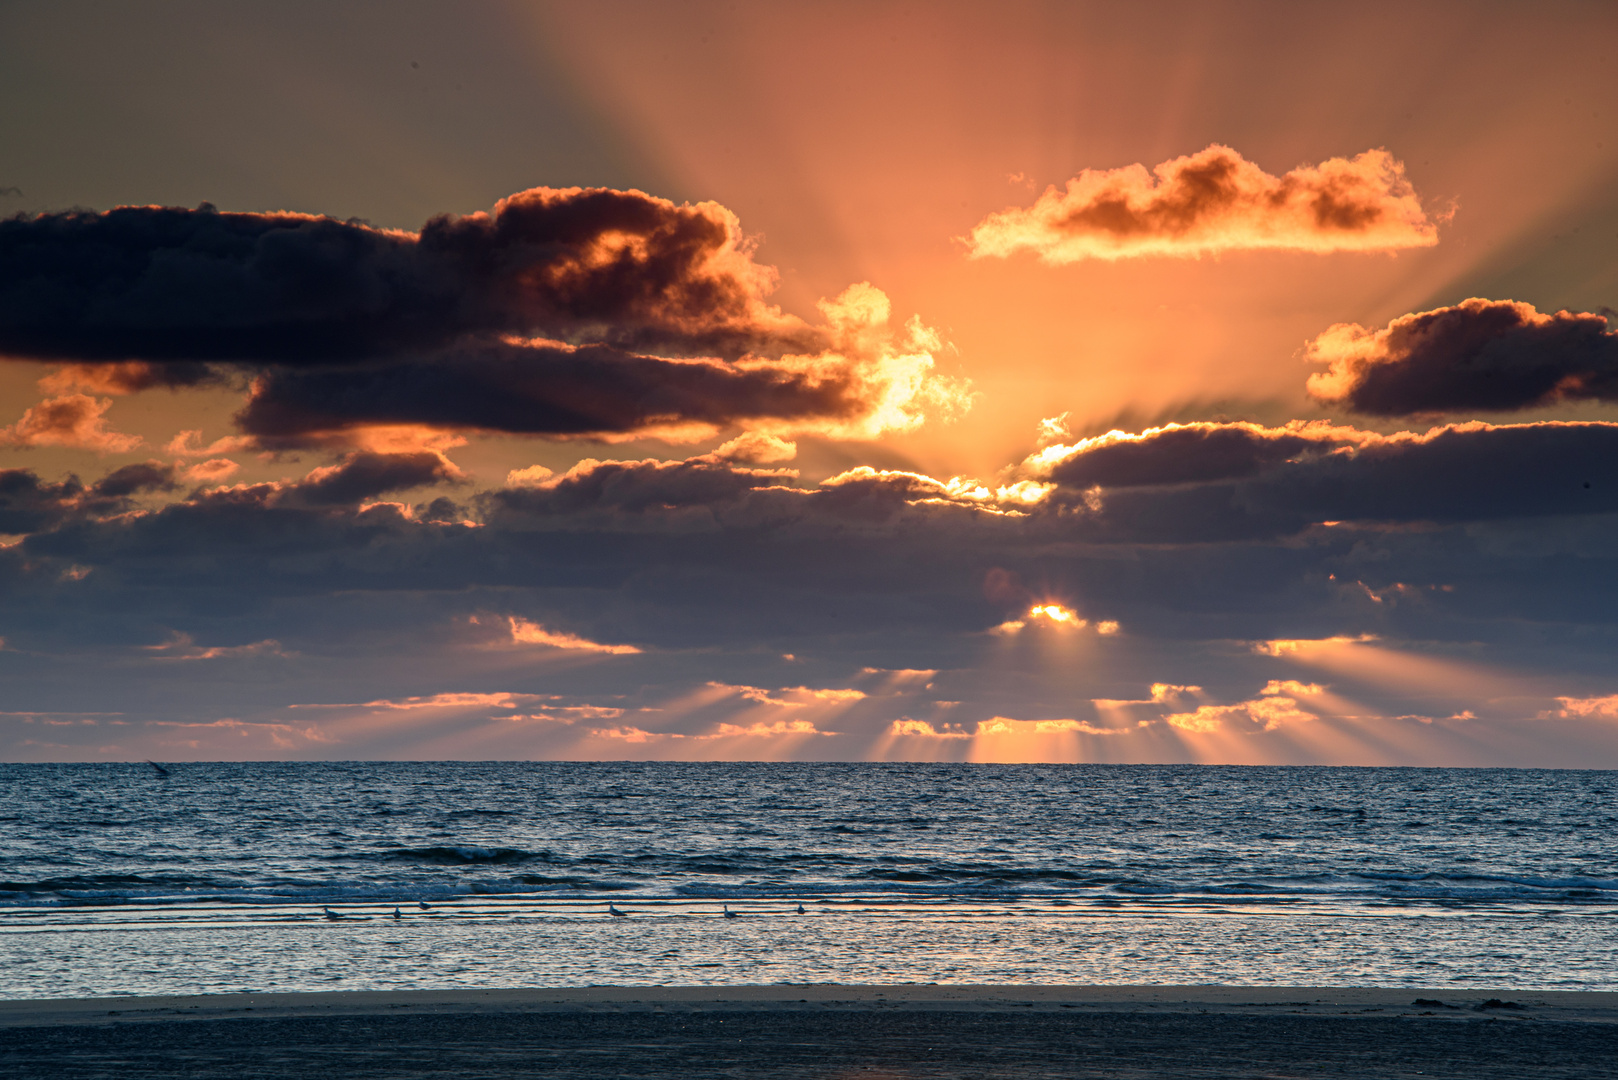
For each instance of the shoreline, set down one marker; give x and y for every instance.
(1010, 1032)
(1571, 1006)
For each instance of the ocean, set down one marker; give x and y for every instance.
(116, 879)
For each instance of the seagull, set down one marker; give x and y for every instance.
(332, 915)
(396, 914)
(614, 911)
(801, 911)
(425, 906)
(729, 914)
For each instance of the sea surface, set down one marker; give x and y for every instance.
(117, 879)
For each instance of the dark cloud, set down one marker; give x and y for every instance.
(137, 478)
(162, 284)
(1182, 453)
(364, 475)
(1264, 483)
(1494, 355)
(547, 390)
(634, 487)
(28, 504)
(534, 318)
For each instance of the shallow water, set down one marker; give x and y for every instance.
(217, 877)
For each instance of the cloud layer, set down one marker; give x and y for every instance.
(1495, 355)
(1211, 202)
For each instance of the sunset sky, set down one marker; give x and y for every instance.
(1013, 382)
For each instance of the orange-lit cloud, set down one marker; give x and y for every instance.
(211, 471)
(183, 647)
(756, 448)
(1003, 725)
(1604, 708)
(1267, 712)
(1055, 615)
(1479, 354)
(924, 729)
(526, 632)
(76, 420)
(1211, 202)
(499, 700)
(761, 729)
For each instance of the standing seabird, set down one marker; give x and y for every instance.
(332, 915)
(396, 914)
(425, 906)
(614, 911)
(729, 914)
(801, 911)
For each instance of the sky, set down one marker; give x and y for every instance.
(1179, 382)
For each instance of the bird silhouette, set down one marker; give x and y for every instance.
(332, 915)
(396, 914)
(425, 906)
(614, 911)
(801, 911)
(729, 914)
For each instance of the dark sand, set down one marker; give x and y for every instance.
(819, 1031)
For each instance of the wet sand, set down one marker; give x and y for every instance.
(821, 1031)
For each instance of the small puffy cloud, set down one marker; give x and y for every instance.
(76, 420)
(1268, 713)
(1291, 688)
(756, 448)
(526, 632)
(363, 475)
(530, 476)
(1496, 355)
(925, 730)
(1293, 646)
(1212, 202)
(648, 486)
(189, 443)
(134, 479)
(211, 471)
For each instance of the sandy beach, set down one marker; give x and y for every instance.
(822, 1031)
